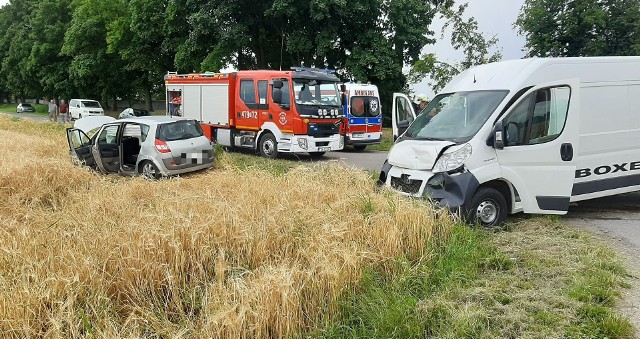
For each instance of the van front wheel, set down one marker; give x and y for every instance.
(488, 208)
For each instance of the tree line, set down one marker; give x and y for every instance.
(108, 49)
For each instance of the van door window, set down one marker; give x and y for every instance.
(539, 118)
(404, 109)
(262, 94)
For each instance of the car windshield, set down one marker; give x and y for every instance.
(456, 116)
(179, 130)
(315, 92)
(92, 104)
(26, 105)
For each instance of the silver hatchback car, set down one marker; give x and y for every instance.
(152, 146)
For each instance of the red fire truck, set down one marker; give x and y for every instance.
(297, 111)
(363, 115)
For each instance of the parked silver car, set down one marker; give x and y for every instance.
(25, 108)
(152, 146)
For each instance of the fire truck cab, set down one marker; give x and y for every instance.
(296, 111)
(363, 115)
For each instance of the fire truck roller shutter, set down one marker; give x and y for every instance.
(215, 104)
(191, 103)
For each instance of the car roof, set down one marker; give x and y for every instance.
(157, 119)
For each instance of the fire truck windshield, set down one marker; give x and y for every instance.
(316, 93)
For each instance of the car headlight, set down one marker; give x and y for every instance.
(452, 161)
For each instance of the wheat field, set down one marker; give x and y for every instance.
(223, 253)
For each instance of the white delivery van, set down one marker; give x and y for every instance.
(79, 108)
(527, 135)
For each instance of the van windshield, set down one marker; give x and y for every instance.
(455, 116)
(92, 104)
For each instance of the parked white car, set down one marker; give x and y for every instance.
(152, 146)
(80, 108)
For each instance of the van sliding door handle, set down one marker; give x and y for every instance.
(566, 152)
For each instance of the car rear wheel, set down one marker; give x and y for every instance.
(268, 146)
(488, 208)
(149, 170)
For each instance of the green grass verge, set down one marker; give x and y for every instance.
(537, 279)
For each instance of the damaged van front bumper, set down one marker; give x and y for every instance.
(451, 190)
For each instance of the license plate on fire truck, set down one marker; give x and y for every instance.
(324, 149)
(358, 135)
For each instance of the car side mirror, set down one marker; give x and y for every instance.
(498, 135)
(276, 95)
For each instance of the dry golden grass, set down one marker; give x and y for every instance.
(221, 253)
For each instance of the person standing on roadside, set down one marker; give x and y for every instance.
(64, 111)
(53, 111)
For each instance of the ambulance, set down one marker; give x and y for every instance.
(530, 135)
(363, 115)
(271, 112)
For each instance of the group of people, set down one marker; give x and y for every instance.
(56, 112)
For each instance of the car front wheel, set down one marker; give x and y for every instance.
(149, 170)
(488, 208)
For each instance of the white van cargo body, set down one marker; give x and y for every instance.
(527, 135)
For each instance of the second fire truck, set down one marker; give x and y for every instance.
(272, 112)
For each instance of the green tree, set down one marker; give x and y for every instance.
(45, 62)
(465, 37)
(139, 36)
(17, 41)
(95, 71)
(555, 28)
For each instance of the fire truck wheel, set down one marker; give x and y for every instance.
(359, 147)
(268, 146)
(316, 154)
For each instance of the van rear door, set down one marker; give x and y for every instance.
(540, 135)
(402, 114)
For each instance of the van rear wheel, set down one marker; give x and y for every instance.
(488, 208)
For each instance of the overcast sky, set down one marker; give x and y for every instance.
(495, 17)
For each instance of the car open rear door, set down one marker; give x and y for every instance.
(402, 114)
(80, 147)
(540, 134)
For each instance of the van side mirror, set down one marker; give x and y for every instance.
(498, 135)
(276, 94)
(277, 84)
(343, 88)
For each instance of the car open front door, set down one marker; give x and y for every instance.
(540, 137)
(402, 114)
(80, 147)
